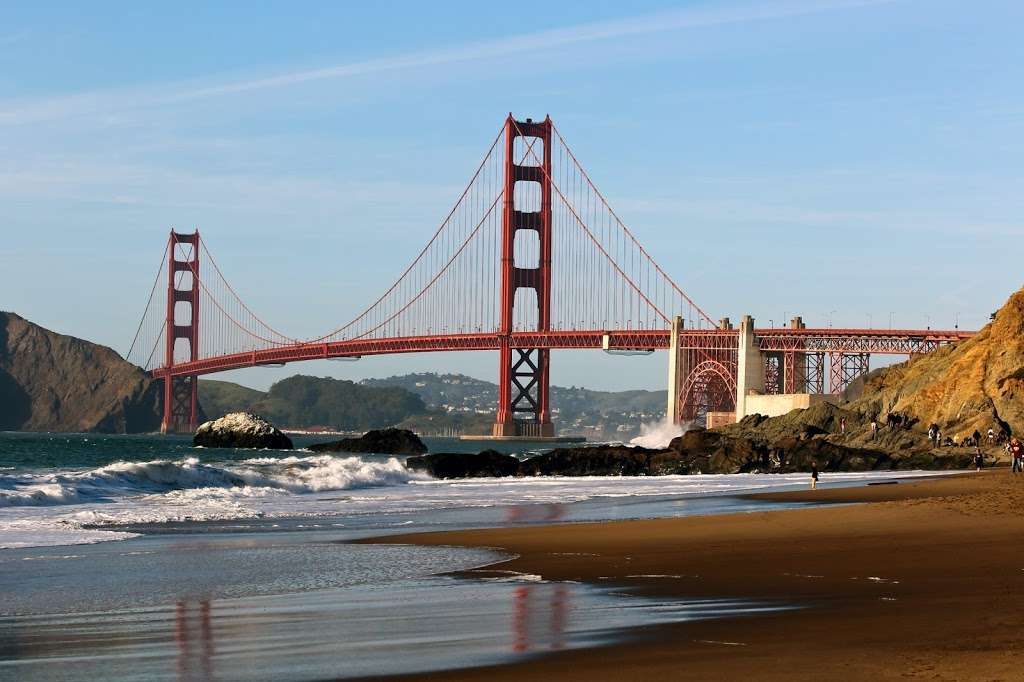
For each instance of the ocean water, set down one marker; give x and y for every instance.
(78, 489)
(141, 557)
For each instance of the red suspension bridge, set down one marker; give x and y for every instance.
(531, 258)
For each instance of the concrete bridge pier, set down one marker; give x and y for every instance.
(749, 367)
(678, 369)
(793, 373)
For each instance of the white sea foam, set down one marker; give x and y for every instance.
(69, 506)
(254, 477)
(60, 507)
(659, 434)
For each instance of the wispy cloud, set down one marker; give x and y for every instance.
(112, 100)
(83, 180)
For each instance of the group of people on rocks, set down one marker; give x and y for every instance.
(1013, 446)
(976, 439)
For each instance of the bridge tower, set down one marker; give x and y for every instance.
(523, 402)
(180, 392)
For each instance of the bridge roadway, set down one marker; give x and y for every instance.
(875, 341)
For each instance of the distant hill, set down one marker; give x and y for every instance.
(54, 382)
(470, 403)
(221, 397)
(445, 392)
(427, 403)
(303, 402)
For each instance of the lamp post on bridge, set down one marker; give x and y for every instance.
(869, 320)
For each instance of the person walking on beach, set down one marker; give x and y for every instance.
(979, 459)
(874, 427)
(814, 475)
(931, 433)
(991, 435)
(1016, 452)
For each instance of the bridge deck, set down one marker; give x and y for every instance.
(875, 341)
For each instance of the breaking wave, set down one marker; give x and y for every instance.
(248, 478)
(659, 434)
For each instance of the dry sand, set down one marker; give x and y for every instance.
(926, 582)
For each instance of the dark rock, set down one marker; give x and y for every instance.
(241, 430)
(599, 460)
(380, 441)
(712, 452)
(696, 451)
(488, 463)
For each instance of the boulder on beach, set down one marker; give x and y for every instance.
(241, 430)
(380, 441)
(489, 464)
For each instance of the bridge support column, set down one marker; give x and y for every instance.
(815, 379)
(524, 373)
(181, 392)
(749, 367)
(845, 368)
(796, 364)
(679, 367)
(795, 371)
(774, 372)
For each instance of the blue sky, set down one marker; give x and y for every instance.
(830, 158)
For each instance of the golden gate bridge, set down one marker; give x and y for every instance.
(531, 258)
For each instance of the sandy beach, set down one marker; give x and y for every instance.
(923, 582)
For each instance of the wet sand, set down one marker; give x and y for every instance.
(925, 582)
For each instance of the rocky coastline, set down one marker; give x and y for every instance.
(698, 451)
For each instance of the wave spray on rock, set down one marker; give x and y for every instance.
(660, 433)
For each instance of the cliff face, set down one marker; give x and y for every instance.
(53, 382)
(977, 384)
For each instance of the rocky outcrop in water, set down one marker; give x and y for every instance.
(54, 382)
(487, 464)
(240, 430)
(789, 452)
(379, 441)
(597, 460)
(697, 451)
